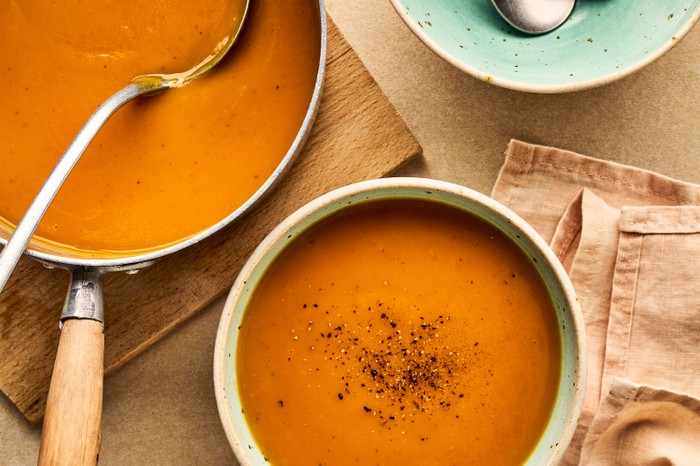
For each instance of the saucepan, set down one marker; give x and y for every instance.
(72, 421)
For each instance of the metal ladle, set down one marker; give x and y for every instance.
(72, 422)
(140, 86)
(534, 16)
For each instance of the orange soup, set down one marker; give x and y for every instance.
(399, 332)
(163, 168)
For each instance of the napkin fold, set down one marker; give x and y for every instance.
(630, 241)
(643, 425)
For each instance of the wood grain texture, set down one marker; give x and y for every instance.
(357, 135)
(73, 420)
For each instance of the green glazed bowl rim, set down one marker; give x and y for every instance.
(562, 424)
(420, 32)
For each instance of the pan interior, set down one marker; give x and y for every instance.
(165, 171)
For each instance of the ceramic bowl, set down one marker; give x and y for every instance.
(562, 423)
(602, 41)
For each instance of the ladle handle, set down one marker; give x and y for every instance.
(25, 229)
(72, 422)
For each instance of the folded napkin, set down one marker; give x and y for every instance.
(630, 241)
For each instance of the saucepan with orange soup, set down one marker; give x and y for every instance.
(164, 172)
(401, 321)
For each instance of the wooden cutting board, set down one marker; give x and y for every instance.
(357, 136)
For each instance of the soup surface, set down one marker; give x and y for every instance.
(163, 168)
(399, 332)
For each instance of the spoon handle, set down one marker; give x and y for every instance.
(25, 229)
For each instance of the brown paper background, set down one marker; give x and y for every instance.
(160, 408)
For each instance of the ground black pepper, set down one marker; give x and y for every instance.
(414, 372)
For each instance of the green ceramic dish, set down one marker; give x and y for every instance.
(602, 41)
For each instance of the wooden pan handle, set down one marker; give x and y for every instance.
(72, 423)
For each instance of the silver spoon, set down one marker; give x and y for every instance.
(140, 86)
(534, 16)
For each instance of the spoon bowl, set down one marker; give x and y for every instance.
(534, 16)
(171, 80)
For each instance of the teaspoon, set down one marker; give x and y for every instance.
(534, 16)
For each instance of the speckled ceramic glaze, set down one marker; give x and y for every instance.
(560, 428)
(603, 40)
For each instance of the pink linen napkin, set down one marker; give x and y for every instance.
(630, 241)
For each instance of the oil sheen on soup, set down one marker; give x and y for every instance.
(163, 168)
(399, 332)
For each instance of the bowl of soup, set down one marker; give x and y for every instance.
(401, 321)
